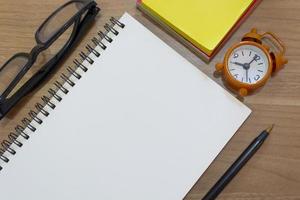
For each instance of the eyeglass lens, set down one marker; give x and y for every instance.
(57, 21)
(9, 71)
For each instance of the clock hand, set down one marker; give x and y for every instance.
(237, 63)
(247, 76)
(254, 58)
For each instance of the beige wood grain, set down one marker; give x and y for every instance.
(274, 172)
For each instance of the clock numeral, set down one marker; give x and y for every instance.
(236, 76)
(249, 80)
(256, 57)
(257, 77)
(260, 63)
(235, 55)
(243, 53)
(260, 70)
(250, 53)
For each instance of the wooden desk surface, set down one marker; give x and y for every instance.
(274, 172)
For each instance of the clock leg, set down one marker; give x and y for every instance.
(243, 92)
(219, 67)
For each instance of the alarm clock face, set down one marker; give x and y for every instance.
(248, 64)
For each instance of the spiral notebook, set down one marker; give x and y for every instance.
(134, 120)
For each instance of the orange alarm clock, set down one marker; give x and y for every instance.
(249, 64)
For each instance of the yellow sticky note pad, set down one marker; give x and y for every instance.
(205, 23)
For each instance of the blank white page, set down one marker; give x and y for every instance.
(142, 124)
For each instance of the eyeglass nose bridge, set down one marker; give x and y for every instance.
(36, 51)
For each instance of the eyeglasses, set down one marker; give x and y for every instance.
(57, 34)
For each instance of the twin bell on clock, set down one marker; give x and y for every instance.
(249, 64)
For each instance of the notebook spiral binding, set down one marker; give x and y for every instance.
(26, 123)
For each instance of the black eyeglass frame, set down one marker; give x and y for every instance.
(80, 25)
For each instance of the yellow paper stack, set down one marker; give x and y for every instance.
(202, 25)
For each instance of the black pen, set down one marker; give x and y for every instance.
(237, 165)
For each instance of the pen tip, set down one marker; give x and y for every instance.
(271, 128)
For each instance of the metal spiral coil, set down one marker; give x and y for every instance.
(92, 50)
(20, 131)
(104, 36)
(26, 122)
(80, 65)
(86, 57)
(98, 42)
(35, 117)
